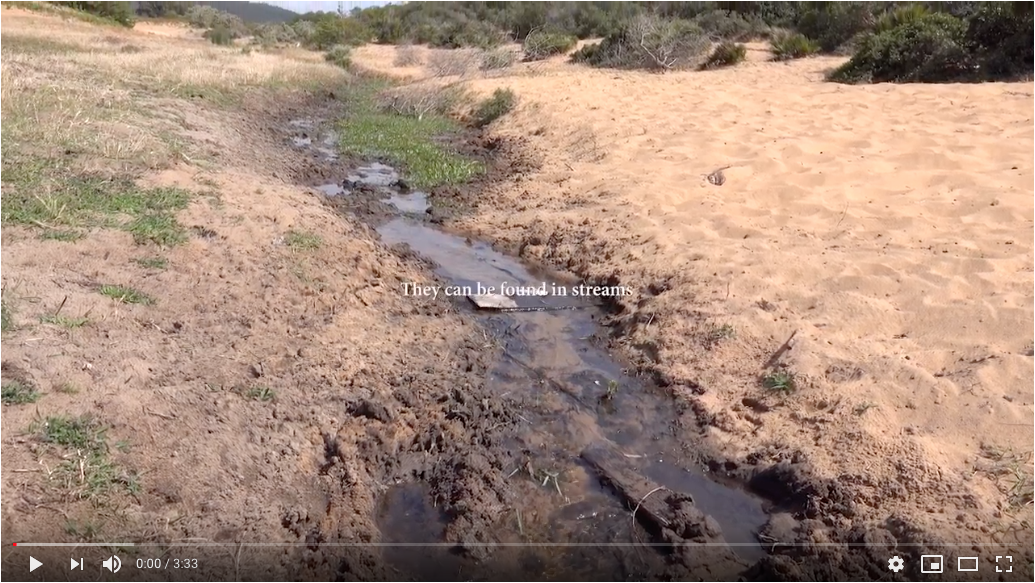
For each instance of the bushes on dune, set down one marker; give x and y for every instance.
(542, 44)
(933, 47)
(725, 54)
(649, 43)
(793, 46)
(339, 55)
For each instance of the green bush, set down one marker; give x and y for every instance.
(729, 25)
(492, 108)
(540, 44)
(999, 36)
(458, 35)
(339, 55)
(275, 33)
(793, 46)
(649, 43)
(900, 16)
(336, 31)
(220, 35)
(207, 17)
(725, 54)
(928, 49)
(119, 12)
(833, 24)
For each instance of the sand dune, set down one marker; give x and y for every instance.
(889, 226)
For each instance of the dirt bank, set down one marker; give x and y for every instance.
(848, 313)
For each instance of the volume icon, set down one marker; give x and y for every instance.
(112, 564)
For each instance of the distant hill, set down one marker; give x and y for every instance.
(246, 11)
(254, 11)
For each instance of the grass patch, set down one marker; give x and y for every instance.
(725, 54)
(1011, 472)
(302, 240)
(61, 235)
(152, 262)
(499, 104)
(408, 142)
(126, 295)
(18, 393)
(6, 317)
(260, 393)
(793, 46)
(780, 381)
(159, 228)
(90, 473)
(67, 389)
(64, 321)
(45, 196)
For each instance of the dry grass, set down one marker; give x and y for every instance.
(454, 63)
(103, 104)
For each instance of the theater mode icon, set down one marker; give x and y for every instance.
(932, 564)
(967, 564)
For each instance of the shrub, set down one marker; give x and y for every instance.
(900, 16)
(220, 35)
(793, 46)
(650, 43)
(1000, 38)
(725, 24)
(927, 49)
(421, 100)
(492, 108)
(339, 55)
(452, 63)
(726, 54)
(496, 59)
(539, 44)
(408, 56)
(336, 31)
(461, 34)
(120, 12)
(834, 24)
(201, 16)
(271, 34)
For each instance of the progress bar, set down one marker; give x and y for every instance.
(517, 544)
(74, 544)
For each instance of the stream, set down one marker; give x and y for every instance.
(568, 524)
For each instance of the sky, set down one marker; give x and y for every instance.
(303, 7)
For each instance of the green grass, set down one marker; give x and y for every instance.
(64, 321)
(90, 473)
(41, 193)
(6, 317)
(492, 108)
(302, 240)
(780, 381)
(126, 295)
(67, 236)
(260, 393)
(405, 141)
(34, 45)
(152, 262)
(158, 228)
(83, 433)
(18, 393)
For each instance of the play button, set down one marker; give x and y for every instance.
(34, 564)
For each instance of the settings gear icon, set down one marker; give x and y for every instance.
(896, 563)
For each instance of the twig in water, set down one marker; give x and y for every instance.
(644, 499)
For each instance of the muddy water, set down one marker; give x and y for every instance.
(573, 394)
